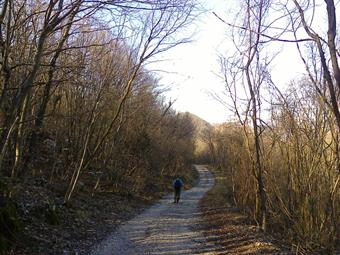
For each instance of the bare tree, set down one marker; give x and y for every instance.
(298, 146)
(155, 31)
(330, 69)
(253, 73)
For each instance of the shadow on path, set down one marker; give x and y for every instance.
(226, 226)
(165, 228)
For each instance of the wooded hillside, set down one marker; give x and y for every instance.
(86, 132)
(281, 149)
(79, 108)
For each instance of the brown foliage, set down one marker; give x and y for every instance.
(77, 103)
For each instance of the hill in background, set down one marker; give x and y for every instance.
(203, 132)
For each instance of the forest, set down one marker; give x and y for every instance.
(281, 150)
(82, 114)
(79, 109)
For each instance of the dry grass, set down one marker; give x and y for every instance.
(224, 225)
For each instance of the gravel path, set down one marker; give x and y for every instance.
(164, 228)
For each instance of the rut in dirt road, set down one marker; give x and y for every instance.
(165, 228)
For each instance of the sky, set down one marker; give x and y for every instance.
(191, 70)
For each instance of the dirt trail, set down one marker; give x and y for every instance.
(165, 228)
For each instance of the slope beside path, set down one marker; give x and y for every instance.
(164, 228)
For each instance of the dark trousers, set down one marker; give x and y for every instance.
(177, 195)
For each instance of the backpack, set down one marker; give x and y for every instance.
(178, 184)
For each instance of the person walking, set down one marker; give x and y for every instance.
(178, 184)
